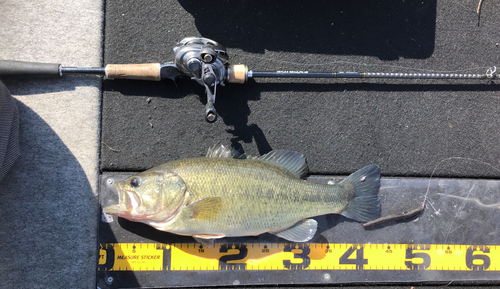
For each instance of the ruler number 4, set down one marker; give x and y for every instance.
(359, 261)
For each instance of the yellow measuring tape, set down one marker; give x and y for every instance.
(302, 256)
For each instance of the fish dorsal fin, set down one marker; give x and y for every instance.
(290, 160)
(221, 151)
(205, 209)
(303, 231)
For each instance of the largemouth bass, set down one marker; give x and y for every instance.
(226, 194)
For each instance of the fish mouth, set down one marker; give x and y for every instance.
(113, 210)
(127, 201)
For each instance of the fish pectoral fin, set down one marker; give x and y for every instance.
(205, 209)
(303, 231)
(207, 239)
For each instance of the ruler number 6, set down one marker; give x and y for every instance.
(470, 257)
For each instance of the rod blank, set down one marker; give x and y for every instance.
(83, 70)
(306, 74)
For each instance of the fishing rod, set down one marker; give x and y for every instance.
(206, 62)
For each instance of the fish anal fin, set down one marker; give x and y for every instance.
(303, 231)
(205, 209)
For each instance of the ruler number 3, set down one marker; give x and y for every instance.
(303, 254)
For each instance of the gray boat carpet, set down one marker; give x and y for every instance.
(48, 207)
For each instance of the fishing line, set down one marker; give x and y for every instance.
(434, 171)
(475, 200)
(458, 210)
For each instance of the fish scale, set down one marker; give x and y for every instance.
(256, 196)
(224, 195)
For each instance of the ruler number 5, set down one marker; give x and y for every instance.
(421, 255)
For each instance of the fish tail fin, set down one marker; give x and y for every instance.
(364, 204)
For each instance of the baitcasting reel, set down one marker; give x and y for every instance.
(204, 60)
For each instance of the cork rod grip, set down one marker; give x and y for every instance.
(238, 73)
(142, 71)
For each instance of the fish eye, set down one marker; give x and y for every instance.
(135, 183)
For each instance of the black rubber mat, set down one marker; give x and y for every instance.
(408, 127)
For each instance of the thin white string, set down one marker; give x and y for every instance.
(362, 64)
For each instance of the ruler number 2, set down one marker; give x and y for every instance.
(224, 260)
